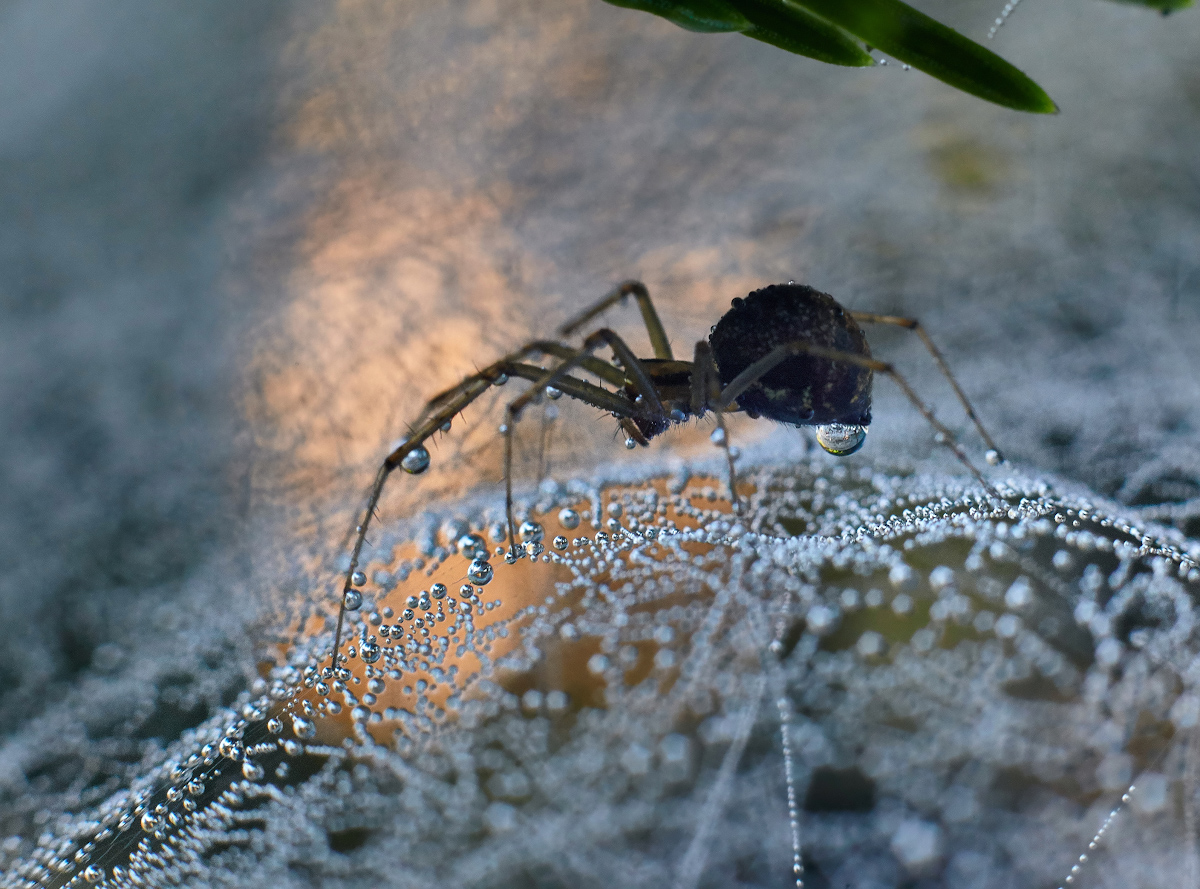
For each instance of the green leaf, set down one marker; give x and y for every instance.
(913, 37)
(1163, 6)
(799, 31)
(706, 16)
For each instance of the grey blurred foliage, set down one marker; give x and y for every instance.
(242, 242)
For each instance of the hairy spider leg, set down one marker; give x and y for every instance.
(634, 373)
(762, 366)
(912, 324)
(590, 363)
(706, 395)
(448, 404)
(654, 327)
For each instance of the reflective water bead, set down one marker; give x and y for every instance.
(466, 591)
(630, 444)
(252, 771)
(415, 461)
(358, 578)
(304, 728)
(553, 394)
(569, 519)
(230, 749)
(352, 599)
(438, 591)
(718, 436)
(531, 532)
(480, 573)
(560, 542)
(500, 380)
(472, 546)
(274, 726)
(369, 653)
(840, 439)
(93, 874)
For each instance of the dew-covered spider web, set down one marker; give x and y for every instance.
(950, 691)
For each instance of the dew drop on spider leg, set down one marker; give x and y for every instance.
(358, 578)
(480, 573)
(352, 600)
(415, 461)
(630, 444)
(840, 439)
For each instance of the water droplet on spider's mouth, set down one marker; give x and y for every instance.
(841, 440)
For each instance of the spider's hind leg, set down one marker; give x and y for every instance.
(764, 365)
(994, 455)
(636, 289)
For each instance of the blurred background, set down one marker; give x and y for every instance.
(241, 244)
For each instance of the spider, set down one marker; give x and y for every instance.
(787, 352)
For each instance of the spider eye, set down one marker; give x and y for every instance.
(841, 440)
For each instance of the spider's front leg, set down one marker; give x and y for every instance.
(442, 408)
(912, 325)
(633, 372)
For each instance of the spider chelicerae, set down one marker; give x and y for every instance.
(787, 352)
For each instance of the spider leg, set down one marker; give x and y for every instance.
(654, 328)
(601, 369)
(762, 366)
(914, 325)
(446, 405)
(634, 372)
(706, 394)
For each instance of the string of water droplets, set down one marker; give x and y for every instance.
(1003, 17)
(1099, 836)
(785, 726)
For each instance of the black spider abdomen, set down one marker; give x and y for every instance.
(803, 390)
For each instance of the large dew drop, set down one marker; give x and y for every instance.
(480, 572)
(304, 728)
(415, 461)
(841, 440)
